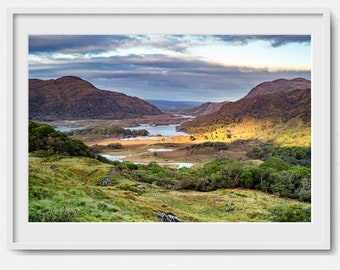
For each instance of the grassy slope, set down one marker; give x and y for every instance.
(283, 118)
(292, 133)
(73, 184)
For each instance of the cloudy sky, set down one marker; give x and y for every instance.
(172, 67)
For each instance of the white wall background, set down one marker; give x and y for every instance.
(291, 260)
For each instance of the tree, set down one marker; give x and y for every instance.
(275, 163)
(246, 179)
(47, 141)
(282, 184)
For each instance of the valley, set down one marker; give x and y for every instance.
(253, 154)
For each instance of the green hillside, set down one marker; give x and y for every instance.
(69, 189)
(282, 118)
(68, 182)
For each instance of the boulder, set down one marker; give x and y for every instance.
(106, 182)
(167, 217)
(108, 178)
(229, 206)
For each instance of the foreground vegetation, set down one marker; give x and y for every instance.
(68, 181)
(68, 189)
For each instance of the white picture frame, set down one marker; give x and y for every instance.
(23, 235)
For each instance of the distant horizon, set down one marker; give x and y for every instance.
(171, 100)
(202, 68)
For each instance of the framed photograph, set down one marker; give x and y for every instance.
(124, 122)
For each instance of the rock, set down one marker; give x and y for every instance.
(141, 186)
(108, 178)
(229, 206)
(167, 217)
(106, 182)
(52, 167)
(174, 218)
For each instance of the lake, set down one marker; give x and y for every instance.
(65, 128)
(178, 164)
(163, 130)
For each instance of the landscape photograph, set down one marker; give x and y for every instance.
(169, 128)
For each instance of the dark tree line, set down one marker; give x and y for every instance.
(112, 131)
(45, 141)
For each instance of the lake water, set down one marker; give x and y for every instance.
(178, 164)
(163, 130)
(154, 150)
(184, 116)
(113, 158)
(66, 129)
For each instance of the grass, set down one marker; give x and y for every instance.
(292, 133)
(72, 186)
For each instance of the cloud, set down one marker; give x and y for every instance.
(157, 66)
(101, 43)
(83, 44)
(74, 43)
(164, 77)
(274, 40)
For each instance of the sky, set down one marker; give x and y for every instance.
(172, 67)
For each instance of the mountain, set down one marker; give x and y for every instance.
(276, 107)
(279, 86)
(205, 108)
(172, 104)
(273, 112)
(74, 98)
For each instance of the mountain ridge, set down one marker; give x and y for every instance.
(204, 109)
(280, 106)
(279, 85)
(71, 97)
(276, 101)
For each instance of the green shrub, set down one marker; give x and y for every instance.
(41, 153)
(282, 185)
(295, 155)
(291, 212)
(190, 183)
(97, 148)
(215, 145)
(115, 146)
(303, 192)
(274, 163)
(246, 179)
